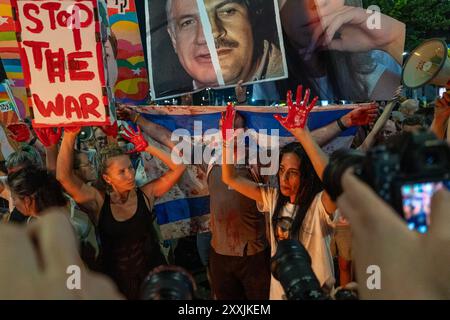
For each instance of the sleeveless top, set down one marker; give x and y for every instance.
(129, 249)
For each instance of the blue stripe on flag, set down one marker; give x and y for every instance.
(11, 62)
(181, 209)
(254, 120)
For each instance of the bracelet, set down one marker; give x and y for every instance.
(341, 125)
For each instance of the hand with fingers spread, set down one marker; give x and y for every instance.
(228, 122)
(298, 112)
(111, 130)
(136, 138)
(361, 116)
(19, 132)
(48, 136)
(412, 265)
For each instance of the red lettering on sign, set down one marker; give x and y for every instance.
(37, 46)
(76, 66)
(57, 107)
(27, 8)
(84, 107)
(89, 107)
(55, 65)
(72, 105)
(51, 7)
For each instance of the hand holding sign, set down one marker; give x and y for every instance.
(228, 122)
(19, 132)
(136, 138)
(297, 112)
(72, 130)
(47, 136)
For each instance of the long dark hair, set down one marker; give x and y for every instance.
(38, 184)
(310, 186)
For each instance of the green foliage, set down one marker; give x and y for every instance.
(424, 19)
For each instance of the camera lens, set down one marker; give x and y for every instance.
(291, 265)
(168, 283)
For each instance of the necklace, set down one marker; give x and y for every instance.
(120, 201)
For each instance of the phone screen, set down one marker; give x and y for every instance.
(416, 201)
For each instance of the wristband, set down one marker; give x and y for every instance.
(341, 125)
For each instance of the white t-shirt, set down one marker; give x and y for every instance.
(315, 235)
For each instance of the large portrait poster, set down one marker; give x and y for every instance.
(196, 44)
(62, 59)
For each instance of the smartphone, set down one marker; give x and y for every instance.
(416, 202)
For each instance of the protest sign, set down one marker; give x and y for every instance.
(62, 58)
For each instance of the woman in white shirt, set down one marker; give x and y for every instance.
(299, 197)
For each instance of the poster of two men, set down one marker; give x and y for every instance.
(323, 44)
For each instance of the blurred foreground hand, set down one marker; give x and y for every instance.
(34, 262)
(411, 265)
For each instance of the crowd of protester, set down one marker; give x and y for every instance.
(94, 182)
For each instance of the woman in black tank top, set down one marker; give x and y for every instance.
(122, 213)
(130, 248)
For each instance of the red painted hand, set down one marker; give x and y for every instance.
(361, 116)
(111, 130)
(19, 132)
(47, 136)
(228, 122)
(136, 138)
(298, 112)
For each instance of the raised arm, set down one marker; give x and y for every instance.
(295, 123)
(381, 122)
(164, 183)
(358, 117)
(247, 187)
(85, 195)
(153, 130)
(49, 139)
(441, 116)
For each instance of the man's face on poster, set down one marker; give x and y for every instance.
(233, 37)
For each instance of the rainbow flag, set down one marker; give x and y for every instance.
(132, 85)
(9, 54)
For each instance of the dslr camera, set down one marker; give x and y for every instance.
(405, 172)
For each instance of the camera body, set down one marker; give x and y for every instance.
(405, 172)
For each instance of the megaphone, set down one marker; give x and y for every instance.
(429, 63)
(86, 134)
